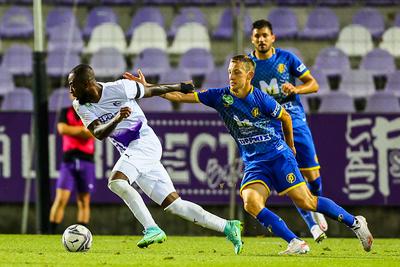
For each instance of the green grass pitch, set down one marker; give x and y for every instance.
(47, 250)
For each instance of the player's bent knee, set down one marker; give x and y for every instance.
(252, 207)
(118, 186)
(309, 203)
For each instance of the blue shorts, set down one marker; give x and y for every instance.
(305, 150)
(280, 173)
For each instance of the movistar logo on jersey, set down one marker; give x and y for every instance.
(254, 139)
(227, 99)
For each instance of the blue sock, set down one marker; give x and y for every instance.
(307, 217)
(334, 211)
(272, 221)
(316, 187)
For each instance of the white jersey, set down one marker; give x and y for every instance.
(132, 132)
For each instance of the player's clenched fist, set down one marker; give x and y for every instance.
(124, 113)
(289, 89)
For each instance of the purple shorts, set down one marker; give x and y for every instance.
(79, 172)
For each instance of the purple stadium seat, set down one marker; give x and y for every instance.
(108, 62)
(174, 75)
(6, 81)
(197, 61)
(155, 104)
(97, 16)
(397, 19)
(335, 2)
(383, 102)
(18, 59)
(322, 82)
(65, 37)
(59, 98)
(224, 29)
(76, 2)
(118, 2)
(186, 15)
(60, 62)
(58, 16)
(294, 2)
(371, 19)
(216, 79)
(393, 83)
(336, 102)
(20, 99)
(284, 22)
(379, 2)
(161, 2)
(146, 14)
(152, 62)
(17, 22)
(332, 61)
(379, 62)
(357, 83)
(322, 23)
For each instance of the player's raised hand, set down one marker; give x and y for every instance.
(124, 113)
(289, 89)
(187, 87)
(140, 78)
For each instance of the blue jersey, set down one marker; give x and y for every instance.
(271, 74)
(249, 121)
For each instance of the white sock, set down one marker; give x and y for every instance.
(194, 213)
(133, 200)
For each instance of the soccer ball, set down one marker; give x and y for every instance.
(77, 238)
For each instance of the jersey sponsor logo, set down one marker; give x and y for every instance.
(243, 123)
(106, 117)
(271, 88)
(291, 178)
(281, 68)
(254, 139)
(255, 112)
(227, 99)
(276, 111)
(301, 68)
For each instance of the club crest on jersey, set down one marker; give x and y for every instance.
(281, 68)
(255, 112)
(291, 178)
(117, 103)
(227, 99)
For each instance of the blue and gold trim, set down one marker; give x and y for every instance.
(304, 74)
(291, 188)
(280, 113)
(253, 182)
(310, 168)
(196, 96)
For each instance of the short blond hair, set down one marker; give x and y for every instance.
(247, 61)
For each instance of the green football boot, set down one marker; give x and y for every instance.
(233, 230)
(152, 235)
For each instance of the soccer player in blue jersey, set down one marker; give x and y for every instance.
(249, 115)
(275, 74)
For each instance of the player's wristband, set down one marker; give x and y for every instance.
(187, 88)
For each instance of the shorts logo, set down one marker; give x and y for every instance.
(281, 68)
(291, 178)
(227, 99)
(255, 112)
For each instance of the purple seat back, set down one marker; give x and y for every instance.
(332, 61)
(6, 81)
(284, 22)
(393, 83)
(174, 76)
(97, 16)
(108, 62)
(224, 29)
(65, 37)
(118, 2)
(18, 59)
(217, 78)
(186, 15)
(383, 102)
(336, 102)
(58, 16)
(197, 61)
(378, 62)
(17, 22)
(294, 2)
(322, 23)
(152, 61)
(397, 19)
(60, 62)
(20, 99)
(371, 19)
(335, 2)
(357, 83)
(146, 14)
(59, 98)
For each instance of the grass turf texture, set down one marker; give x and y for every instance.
(47, 250)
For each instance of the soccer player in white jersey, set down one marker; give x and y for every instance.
(110, 110)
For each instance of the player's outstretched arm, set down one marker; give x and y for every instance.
(76, 131)
(101, 131)
(287, 129)
(159, 89)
